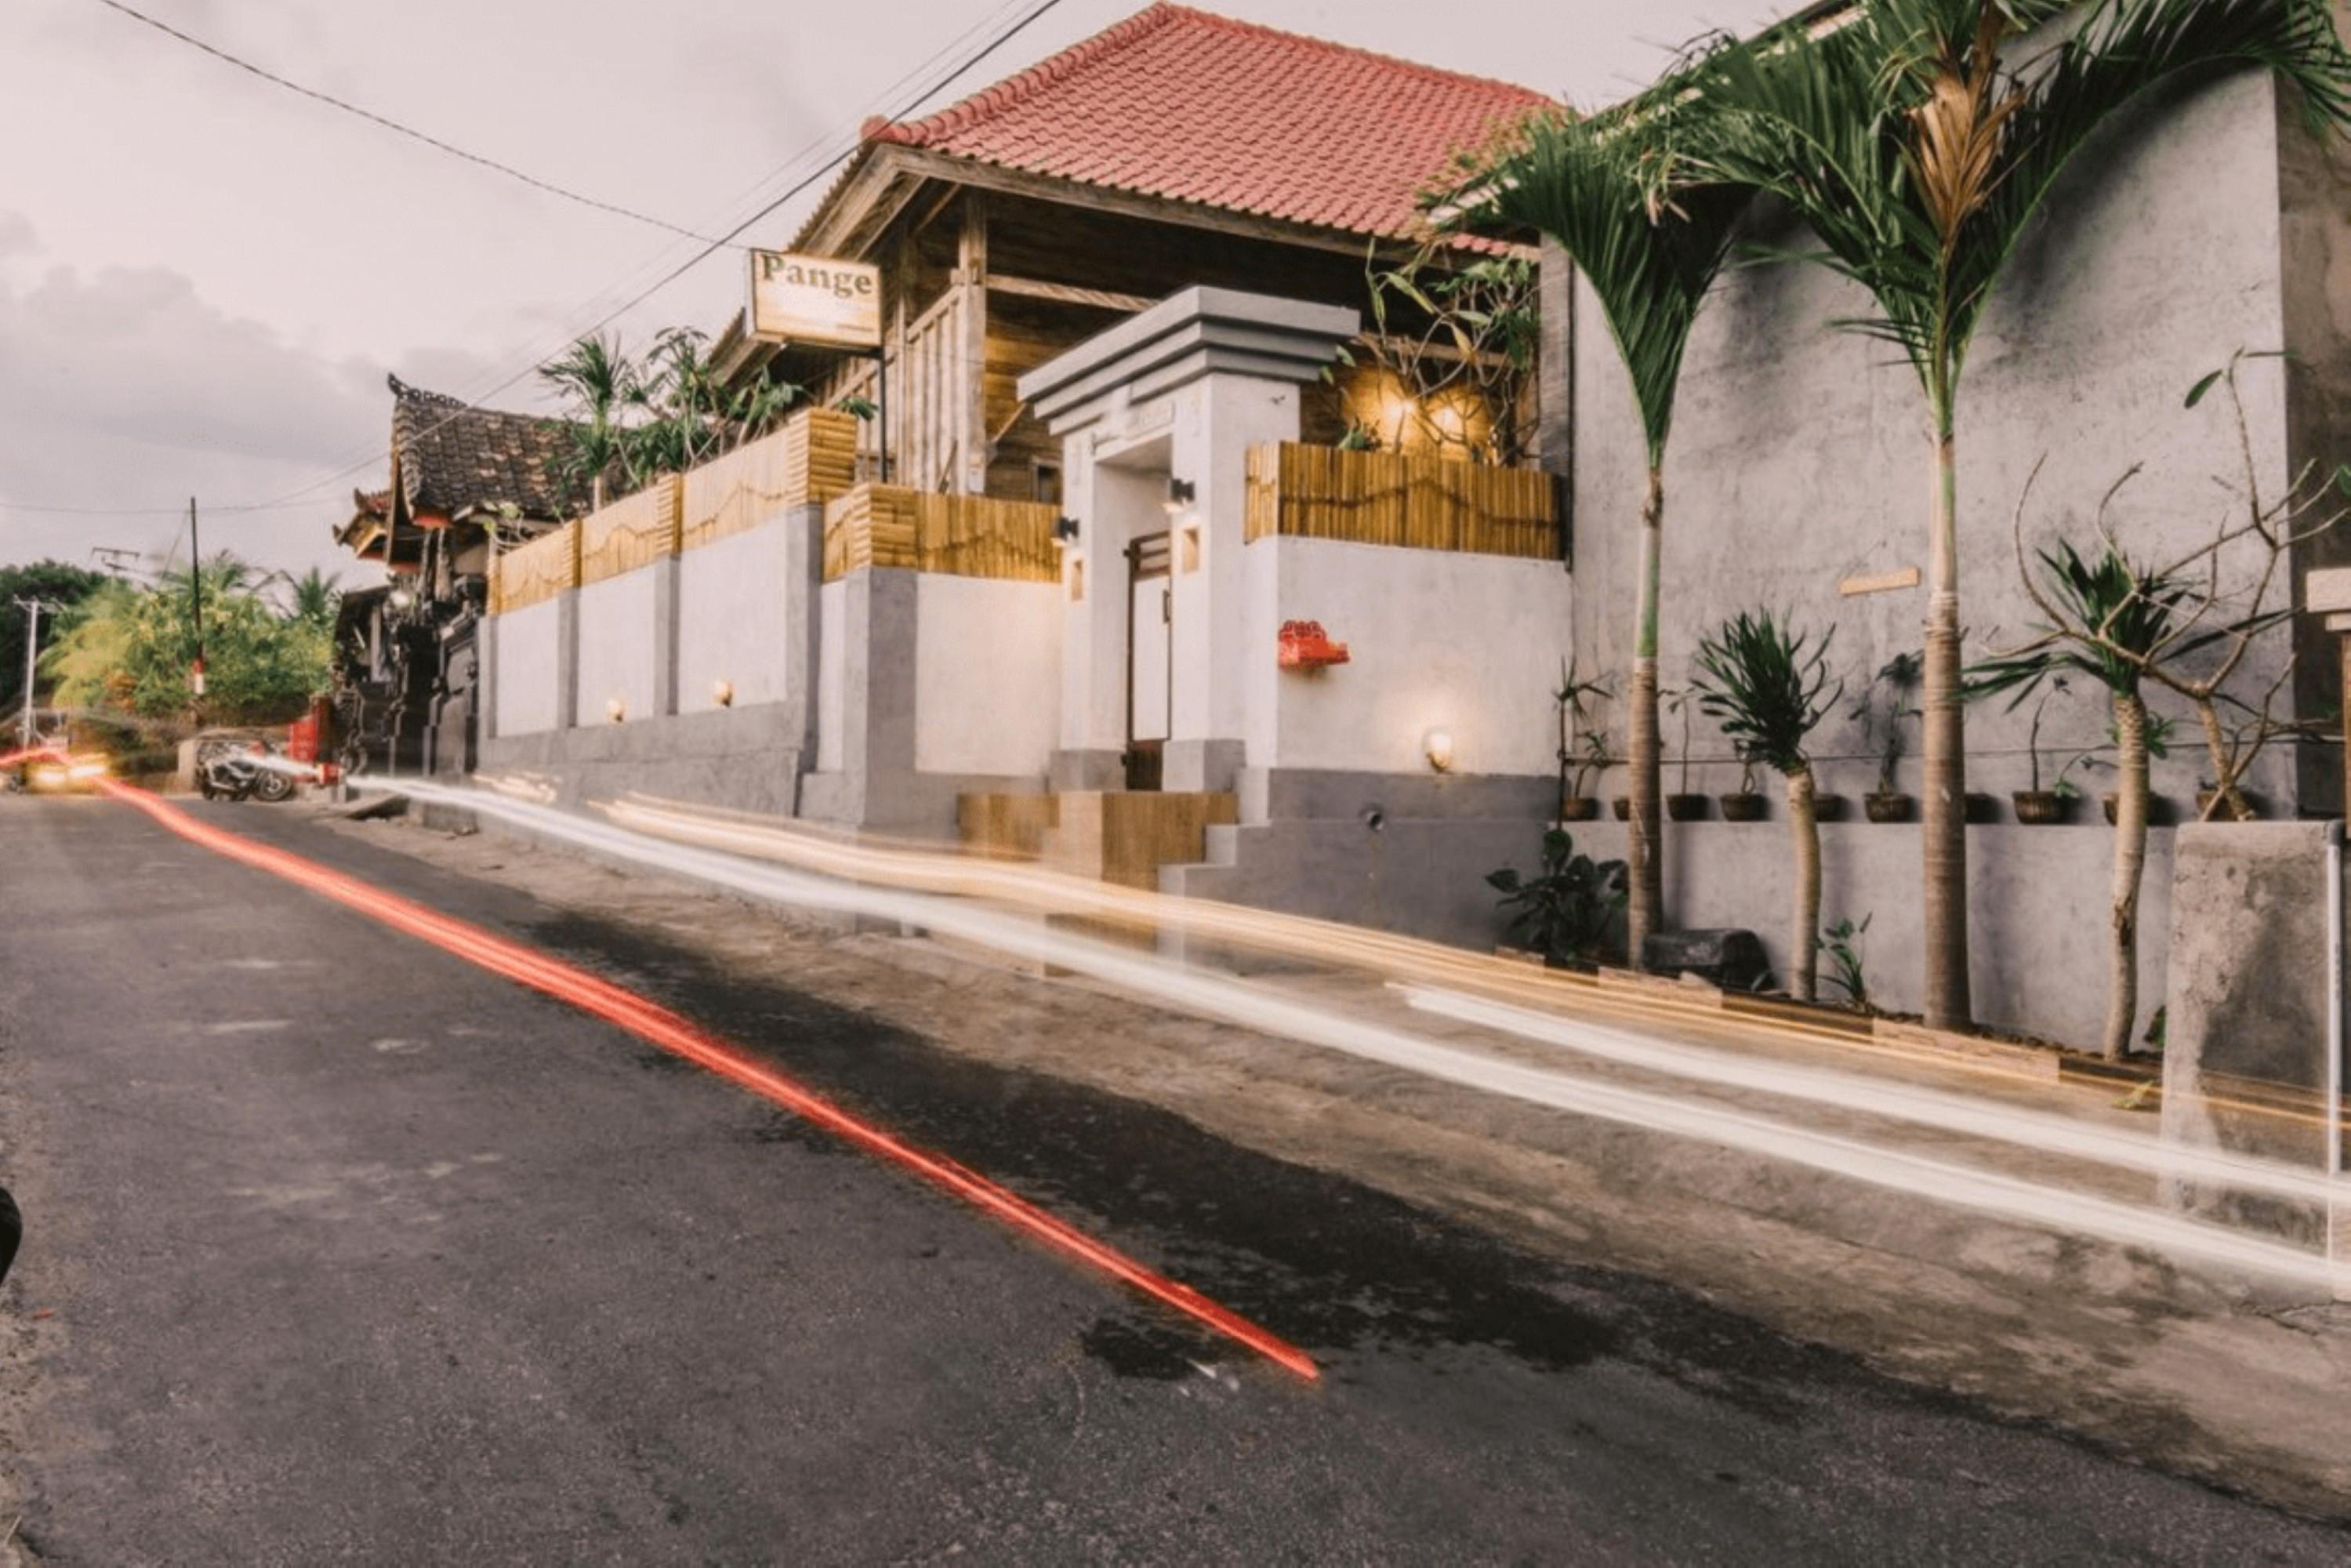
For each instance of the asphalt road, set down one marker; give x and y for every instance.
(350, 1252)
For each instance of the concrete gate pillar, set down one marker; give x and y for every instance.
(1156, 417)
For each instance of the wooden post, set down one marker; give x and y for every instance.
(971, 396)
(2327, 591)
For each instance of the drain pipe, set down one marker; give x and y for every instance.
(2330, 1105)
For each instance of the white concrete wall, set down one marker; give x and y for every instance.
(617, 656)
(1469, 645)
(831, 676)
(1213, 643)
(731, 619)
(988, 674)
(528, 659)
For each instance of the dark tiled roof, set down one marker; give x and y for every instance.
(451, 457)
(1181, 104)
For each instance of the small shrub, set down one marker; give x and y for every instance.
(1568, 913)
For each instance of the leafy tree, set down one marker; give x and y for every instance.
(1918, 155)
(52, 581)
(2108, 618)
(1597, 188)
(129, 649)
(1769, 695)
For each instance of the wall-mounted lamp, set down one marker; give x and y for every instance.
(400, 598)
(1181, 493)
(722, 692)
(1065, 528)
(1437, 747)
(616, 710)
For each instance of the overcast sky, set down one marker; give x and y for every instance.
(203, 277)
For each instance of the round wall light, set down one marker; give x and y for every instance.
(722, 692)
(616, 710)
(1437, 747)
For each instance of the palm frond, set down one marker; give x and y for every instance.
(1649, 244)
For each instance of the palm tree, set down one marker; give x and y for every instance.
(599, 382)
(1768, 694)
(1596, 188)
(1917, 158)
(2108, 620)
(316, 597)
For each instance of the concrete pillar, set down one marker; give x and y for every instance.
(803, 588)
(566, 659)
(487, 677)
(878, 694)
(2253, 1012)
(664, 572)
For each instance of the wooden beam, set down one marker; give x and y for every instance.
(970, 394)
(933, 165)
(1068, 294)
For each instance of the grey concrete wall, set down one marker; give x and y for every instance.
(744, 759)
(1800, 456)
(622, 658)
(526, 647)
(1418, 876)
(734, 623)
(871, 777)
(2037, 898)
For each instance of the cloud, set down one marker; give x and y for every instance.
(125, 389)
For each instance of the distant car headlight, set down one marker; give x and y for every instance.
(87, 768)
(48, 775)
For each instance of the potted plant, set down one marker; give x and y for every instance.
(1684, 805)
(1568, 913)
(1582, 749)
(1744, 804)
(1770, 694)
(1889, 700)
(1576, 806)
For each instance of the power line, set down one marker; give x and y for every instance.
(709, 247)
(394, 126)
(300, 497)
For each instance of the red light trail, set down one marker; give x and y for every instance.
(651, 1021)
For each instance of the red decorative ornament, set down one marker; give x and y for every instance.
(1306, 646)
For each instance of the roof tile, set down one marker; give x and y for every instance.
(1183, 104)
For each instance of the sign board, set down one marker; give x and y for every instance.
(815, 299)
(1883, 582)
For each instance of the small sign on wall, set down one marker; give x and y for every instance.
(815, 299)
(1880, 582)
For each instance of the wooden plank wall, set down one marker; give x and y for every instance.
(812, 458)
(635, 530)
(960, 536)
(1420, 502)
(537, 570)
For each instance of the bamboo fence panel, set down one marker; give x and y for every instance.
(537, 570)
(812, 458)
(633, 531)
(958, 535)
(1418, 501)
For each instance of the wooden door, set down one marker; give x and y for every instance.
(1150, 667)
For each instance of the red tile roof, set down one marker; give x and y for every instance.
(1181, 104)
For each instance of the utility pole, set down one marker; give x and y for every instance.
(32, 609)
(196, 599)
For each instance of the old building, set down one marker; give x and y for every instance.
(1175, 148)
(466, 482)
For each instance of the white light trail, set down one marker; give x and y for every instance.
(1237, 1002)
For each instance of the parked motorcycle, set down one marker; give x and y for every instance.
(233, 769)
